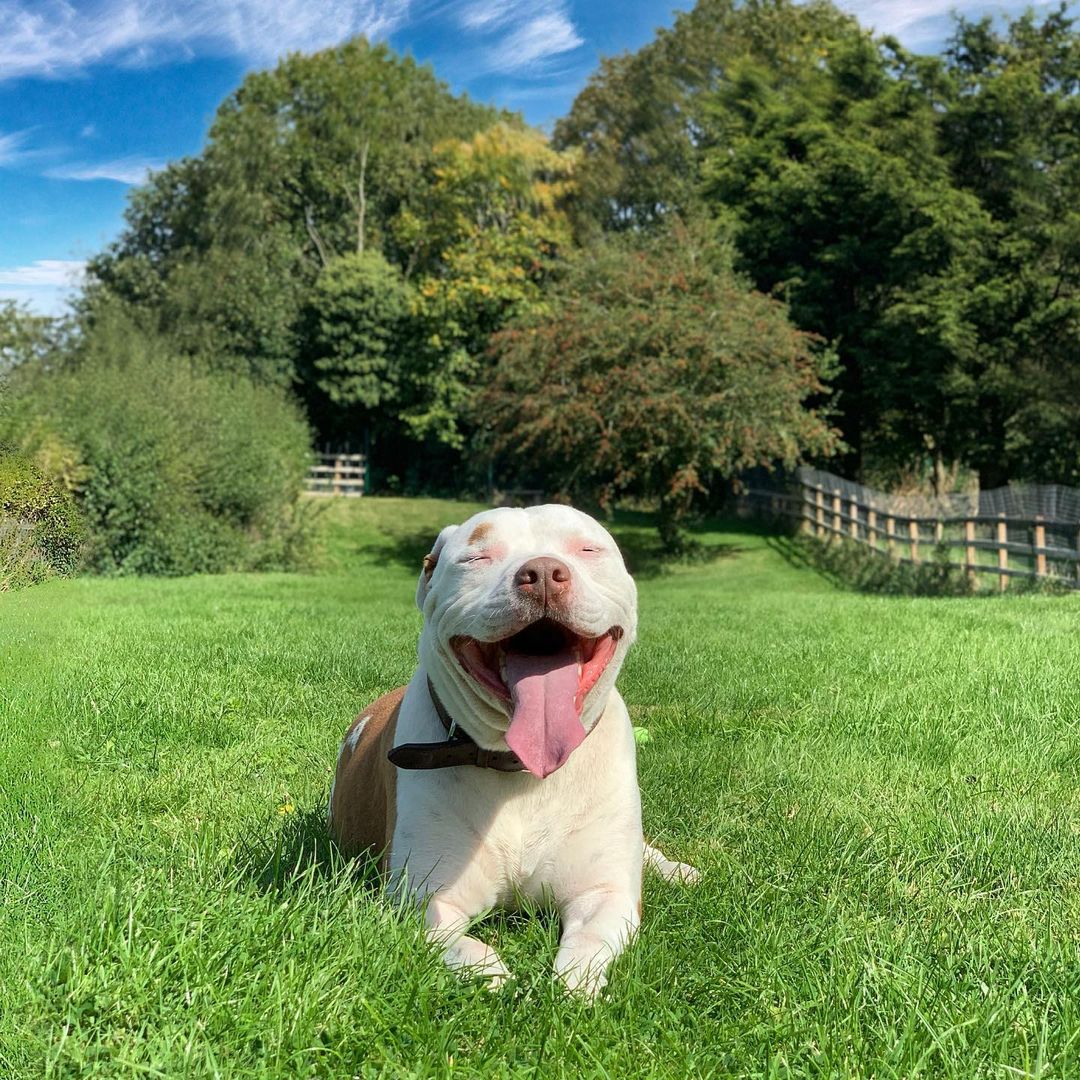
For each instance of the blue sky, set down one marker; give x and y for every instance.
(93, 93)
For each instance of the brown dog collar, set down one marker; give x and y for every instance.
(459, 749)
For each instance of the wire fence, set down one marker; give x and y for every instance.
(1023, 530)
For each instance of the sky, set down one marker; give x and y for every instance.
(95, 93)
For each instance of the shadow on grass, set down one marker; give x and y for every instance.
(794, 554)
(404, 547)
(634, 531)
(299, 850)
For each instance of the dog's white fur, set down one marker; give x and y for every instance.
(466, 840)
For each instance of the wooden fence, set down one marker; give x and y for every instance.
(337, 474)
(1006, 546)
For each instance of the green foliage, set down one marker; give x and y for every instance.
(918, 212)
(305, 163)
(176, 469)
(654, 372)
(23, 336)
(644, 121)
(41, 534)
(484, 243)
(358, 312)
(859, 567)
(843, 200)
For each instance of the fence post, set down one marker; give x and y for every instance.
(837, 523)
(890, 533)
(854, 523)
(913, 534)
(1040, 546)
(969, 550)
(819, 514)
(939, 531)
(1003, 552)
(871, 528)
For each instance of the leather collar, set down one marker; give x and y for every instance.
(459, 749)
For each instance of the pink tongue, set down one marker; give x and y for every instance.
(545, 727)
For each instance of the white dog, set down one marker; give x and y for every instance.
(506, 767)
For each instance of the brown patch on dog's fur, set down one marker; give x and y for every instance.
(639, 909)
(481, 532)
(363, 809)
(429, 565)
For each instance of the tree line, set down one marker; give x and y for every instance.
(767, 236)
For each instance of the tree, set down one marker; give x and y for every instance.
(843, 200)
(1012, 135)
(918, 212)
(642, 122)
(357, 314)
(483, 237)
(655, 371)
(304, 163)
(24, 337)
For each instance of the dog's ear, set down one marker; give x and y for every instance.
(431, 559)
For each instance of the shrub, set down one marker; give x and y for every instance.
(177, 469)
(859, 567)
(40, 531)
(655, 372)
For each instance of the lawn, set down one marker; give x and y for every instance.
(882, 795)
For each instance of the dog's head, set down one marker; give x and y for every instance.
(528, 615)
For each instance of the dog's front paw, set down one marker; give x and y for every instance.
(682, 872)
(669, 869)
(586, 980)
(472, 959)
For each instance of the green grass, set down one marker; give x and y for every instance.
(882, 795)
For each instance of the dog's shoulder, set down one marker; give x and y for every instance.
(371, 724)
(362, 801)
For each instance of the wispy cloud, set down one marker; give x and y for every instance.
(66, 273)
(918, 23)
(128, 170)
(484, 13)
(54, 37)
(12, 147)
(45, 286)
(519, 35)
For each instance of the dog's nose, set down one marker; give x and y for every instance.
(545, 577)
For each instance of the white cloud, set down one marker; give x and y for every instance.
(518, 35)
(922, 23)
(485, 13)
(66, 273)
(52, 37)
(544, 35)
(129, 170)
(45, 286)
(889, 17)
(11, 147)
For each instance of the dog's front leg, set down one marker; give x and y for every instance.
(446, 925)
(597, 925)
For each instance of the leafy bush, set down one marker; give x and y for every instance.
(655, 372)
(862, 568)
(177, 469)
(40, 531)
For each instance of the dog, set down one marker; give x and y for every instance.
(506, 768)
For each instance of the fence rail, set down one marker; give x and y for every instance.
(1006, 545)
(337, 474)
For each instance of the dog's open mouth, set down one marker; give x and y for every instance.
(545, 671)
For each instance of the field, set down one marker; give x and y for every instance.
(882, 795)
